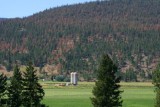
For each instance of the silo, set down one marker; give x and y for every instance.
(74, 78)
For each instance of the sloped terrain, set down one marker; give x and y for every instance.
(74, 37)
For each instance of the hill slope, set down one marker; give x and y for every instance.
(2, 19)
(74, 37)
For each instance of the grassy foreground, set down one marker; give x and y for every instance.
(134, 95)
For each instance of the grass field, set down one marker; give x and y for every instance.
(134, 95)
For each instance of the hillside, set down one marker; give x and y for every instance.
(2, 19)
(72, 38)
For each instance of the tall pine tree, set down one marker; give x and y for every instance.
(3, 87)
(106, 91)
(33, 92)
(156, 82)
(15, 89)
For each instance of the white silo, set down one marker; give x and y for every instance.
(74, 78)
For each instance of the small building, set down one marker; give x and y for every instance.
(74, 78)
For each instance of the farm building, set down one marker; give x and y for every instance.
(74, 78)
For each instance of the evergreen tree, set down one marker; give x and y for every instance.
(15, 89)
(33, 92)
(156, 82)
(130, 75)
(3, 87)
(106, 91)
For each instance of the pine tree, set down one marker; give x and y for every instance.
(15, 89)
(106, 91)
(156, 82)
(3, 87)
(33, 92)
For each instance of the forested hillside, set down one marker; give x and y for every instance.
(2, 19)
(74, 37)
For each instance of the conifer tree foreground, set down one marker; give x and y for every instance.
(3, 88)
(106, 91)
(33, 92)
(15, 89)
(156, 82)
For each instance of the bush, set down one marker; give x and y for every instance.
(59, 78)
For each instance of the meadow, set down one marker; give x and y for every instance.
(135, 94)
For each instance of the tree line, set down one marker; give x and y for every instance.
(23, 90)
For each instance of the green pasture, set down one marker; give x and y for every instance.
(134, 95)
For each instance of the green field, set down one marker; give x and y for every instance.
(134, 95)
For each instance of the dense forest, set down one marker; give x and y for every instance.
(2, 19)
(73, 37)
